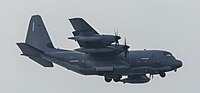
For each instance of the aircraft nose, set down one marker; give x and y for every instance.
(178, 64)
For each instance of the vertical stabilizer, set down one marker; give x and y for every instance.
(37, 35)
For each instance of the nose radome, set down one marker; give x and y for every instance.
(179, 64)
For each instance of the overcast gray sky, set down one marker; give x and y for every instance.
(172, 25)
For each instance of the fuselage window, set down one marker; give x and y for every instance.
(167, 54)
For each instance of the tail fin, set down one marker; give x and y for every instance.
(37, 42)
(37, 35)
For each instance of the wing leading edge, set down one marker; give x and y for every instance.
(81, 27)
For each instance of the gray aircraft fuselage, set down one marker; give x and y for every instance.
(137, 62)
(133, 64)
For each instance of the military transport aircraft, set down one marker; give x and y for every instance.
(100, 55)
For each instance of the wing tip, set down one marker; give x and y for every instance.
(76, 18)
(36, 15)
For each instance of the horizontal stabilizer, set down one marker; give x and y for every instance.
(42, 62)
(29, 50)
(34, 54)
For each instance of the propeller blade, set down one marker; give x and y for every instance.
(125, 41)
(151, 76)
(117, 32)
(117, 37)
(126, 47)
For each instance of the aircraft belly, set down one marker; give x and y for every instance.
(141, 70)
(147, 69)
(164, 69)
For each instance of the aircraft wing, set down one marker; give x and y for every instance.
(81, 27)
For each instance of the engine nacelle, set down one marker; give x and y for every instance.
(136, 79)
(86, 38)
(100, 39)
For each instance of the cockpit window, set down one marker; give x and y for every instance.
(167, 54)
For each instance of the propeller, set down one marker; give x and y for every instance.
(126, 47)
(151, 76)
(117, 37)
